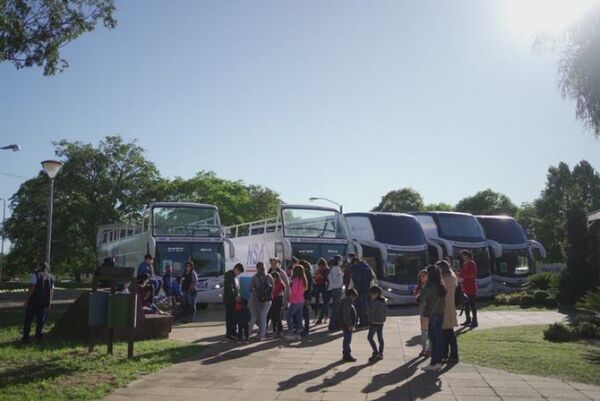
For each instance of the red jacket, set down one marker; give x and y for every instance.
(468, 273)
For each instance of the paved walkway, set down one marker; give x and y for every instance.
(311, 369)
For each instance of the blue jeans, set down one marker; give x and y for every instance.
(376, 329)
(362, 305)
(189, 302)
(436, 338)
(336, 295)
(294, 318)
(347, 352)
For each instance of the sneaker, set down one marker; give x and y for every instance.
(262, 338)
(290, 337)
(374, 357)
(349, 358)
(452, 361)
(474, 324)
(379, 357)
(423, 353)
(433, 368)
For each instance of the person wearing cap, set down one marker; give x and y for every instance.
(39, 299)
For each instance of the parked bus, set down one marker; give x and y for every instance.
(173, 233)
(395, 246)
(450, 233)
(306, 232)
(513, 254)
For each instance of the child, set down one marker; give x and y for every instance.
(422, 281)
(298, 285)
(241, 315)
(347, 322)
(277, 305)
(377, 315)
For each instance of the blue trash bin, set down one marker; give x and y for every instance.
(98, 310)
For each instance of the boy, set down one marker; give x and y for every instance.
(347, 322)
(377, 315)
(242, 319)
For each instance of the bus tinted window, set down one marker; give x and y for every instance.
(186, 222)
(459, 227)
(504, 231)
(397, 230)
(312, 223)
(208, 258)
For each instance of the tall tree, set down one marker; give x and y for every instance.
(442, 206)
(487, 202)
(400, 201)
(33, 31)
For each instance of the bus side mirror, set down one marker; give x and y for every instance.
(231, 247)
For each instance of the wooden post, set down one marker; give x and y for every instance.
(92, 337)
(132, 318)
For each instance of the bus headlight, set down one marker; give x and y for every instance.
(217, 286)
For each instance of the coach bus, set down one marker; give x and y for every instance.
(453, 232)
(395, 246)
(513, 254)
(173, 233)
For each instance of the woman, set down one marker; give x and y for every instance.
(261, 290)
(433, 296)
(189, 286)
(450, 321)
(298, 285)
(421, 283)
(308, 294)
(322, 291)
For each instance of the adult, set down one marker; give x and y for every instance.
(308, 293)
(336, 282)
(321, 290)
(189, 287)
(146, 271)
(39, 299)
(290, 268)
(433, 296)
(261, 292)
(449, 344)
(362, 278)
(347, 268)
(468, 274)
(231, 295)
(167, 280)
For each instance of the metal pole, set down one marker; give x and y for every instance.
(3, 230)
(49, 237)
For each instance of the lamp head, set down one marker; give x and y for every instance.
(312, 199)
(52, 167)
(14, 147)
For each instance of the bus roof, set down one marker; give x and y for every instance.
(503, 229)
(389, 228)
(183, 204)
(311, 207)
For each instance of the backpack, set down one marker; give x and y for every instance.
(265, 290)
(42, 294)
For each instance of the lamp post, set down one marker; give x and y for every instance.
(312, 199)
(14, 147)
(3, 234)
(51, 167)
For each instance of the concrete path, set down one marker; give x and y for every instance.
(311, 369)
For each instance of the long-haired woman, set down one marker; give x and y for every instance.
(189, 288)
(450, 322)
(434, 299)
(298, 285)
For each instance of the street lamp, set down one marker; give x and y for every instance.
(3, 234)
(312, 199)
(14, 147)
(51, 167)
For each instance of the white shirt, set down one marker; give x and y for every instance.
(335, 277)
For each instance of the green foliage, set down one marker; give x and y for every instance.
(511, 298)
(543, 281)
(540, 296)
(487, 202)
(590, 303)
(33, 31)
(400, 201)
(527, 301)
(442, 207)
(586, 329)
(558, 332)
(551, 302)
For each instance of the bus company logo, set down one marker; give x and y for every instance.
(256, 253)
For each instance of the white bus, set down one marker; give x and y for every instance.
(173, 233)
(395, 246)
(513, 254)
(306, 232)
(450, 233)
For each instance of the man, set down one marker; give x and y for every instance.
(362, 277)
(146, 270)
(468, 274)
(39, 298)
(231, 295)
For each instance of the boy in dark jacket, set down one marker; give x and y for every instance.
(377, 315)
(348, 322)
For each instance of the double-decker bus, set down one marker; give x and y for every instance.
(394, 245)
(513, 254)
(452, 232)
(306, 232)
(173, 233)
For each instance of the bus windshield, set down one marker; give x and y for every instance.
(504, 231)
(207, 258)
(397, 230)
(459, 227)
(313, 223)
(182, 221)
(403, 268)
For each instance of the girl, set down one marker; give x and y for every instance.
(298, 285)
(277, 305)
(421, 282)
(450, 321)
(322, 292)
(433, 296)
(308, 294)
(189, 288)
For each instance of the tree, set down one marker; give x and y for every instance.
(487, 202)
(400, 201)
(579, 69)
(33, 31)
(443, 207)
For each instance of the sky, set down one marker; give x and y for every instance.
(340, 99)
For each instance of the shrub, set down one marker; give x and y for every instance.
(551, 302)
(586, 329)
(527, 301)
(543, 281)
(590, 303)
(540, 297)
(501, 299)
(558, 332)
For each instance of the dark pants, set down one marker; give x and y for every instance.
(306, 317)
(347, 352)
(243, 331)
(336, 295)
(229, 320)
(449, 345)
(436, 338)
(322, 292)
(39, 312)
(376, 329)
(471, 308)
(362, 304)
(275, 312)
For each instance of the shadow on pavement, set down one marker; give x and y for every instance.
(338, 378)
(306, 376)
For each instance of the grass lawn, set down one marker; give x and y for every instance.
(56, 370)
(523, 349)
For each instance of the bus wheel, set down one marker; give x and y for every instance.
(201, 306)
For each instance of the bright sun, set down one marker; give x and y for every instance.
(533, 17)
